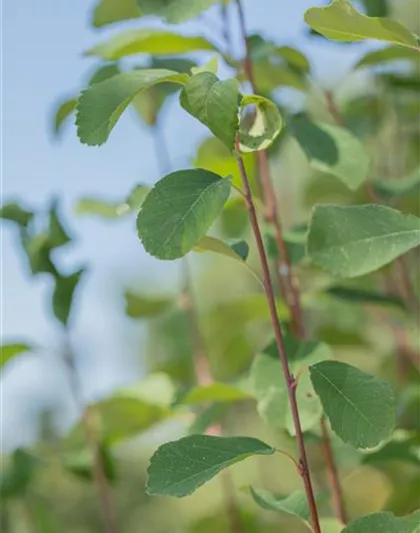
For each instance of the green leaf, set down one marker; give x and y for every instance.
(15, 213)
(214, 103)
(110, 11)
(270, 388)
(211, 66)
(215, 392)
(62, 113)
(340, 21)
(62, 300)
(146, 41)
(104, 72)
(266, 127)
(385, 55)
(271, 75)
(237, 251)
(57, 234)
(295, 504)
(208, 416)
(332, 149)
(18, 474)
(178, 468)
(404, 448)
(360, 407)
(81, 463)
(389, 189)
(10, 351)
(101, 105)
(142, 306)
(362, 296)
(384, 523)
(295, 241)
(174, 11)
(354, 240)
(38, 250)
(376, 8)
(110, 210)
(179, 210)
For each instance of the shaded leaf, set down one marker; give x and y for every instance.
(340, 21)
(142, 306)
(15, 213)
(207, 417)
(174, 11)
(354, 240)
(389, 189)
(81, 464)
(62, 113)
(362, 296)
(18, 474)
(405, 448)
(384, 522)
(10, 351)
(332, 149)
(295, 504)
(238, 251)
(295, 241)
(179, 468)
(179, 210)
(100, 106)
(267, 125)
(360, 407)
(385, 55)
(376, 8)
(63, 295)
(147, 41)
(215, 392)
(110, 11)
(270, 76)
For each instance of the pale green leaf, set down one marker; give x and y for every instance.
(215, 392)
(270, 388)
(397, 188)
(101, 105)
(179, 210)
(360, 407)
(81, 463)
(174, 11)
(295, 504)
(179, 468)
(62, 300)
(211, 66)
(385, 523)
(111, 210)
(403, 447)
(333, 150)
(147, 41)
(293, 57)
(388, 54)
(351, 241)
(142, 306)
(62, 113)
(110, 11)
(104, 72)
(271, 76)
(340, 21)
(267, 125)
(207, 417)
(10, 351)
(214, 103)
(238, 251)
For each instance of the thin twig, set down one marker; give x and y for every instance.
(290, 380)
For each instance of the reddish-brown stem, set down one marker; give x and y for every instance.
(290, 380)
(285, 277)
(332, 108)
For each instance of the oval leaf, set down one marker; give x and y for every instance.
(178, 468)
(295, 504)
(360, 407)
(340, 21)
(266, 127)
(354, 240)
(174, 11)
(179, 210)
(332, 149)
(100, 106)
(384, 522)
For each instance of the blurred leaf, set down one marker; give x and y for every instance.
(10, 351)
(17, 476)
(57, 234)
(389, 189)
(360, 408)
(403, 447)
(179, 468)
(398, 82)
(142, 306)
(147, 41)
(270, 387)
(332, 149)
(295, 241)
(234, 220)
(355, 240)
(267, 125)
(207, 417)
(215, 392)
(179, 210)
(101, 105)
(293, 57)
(270, 76)
(110, 11)
(15, 213)
(174, 11)
(376, 8)
(214, 103)
(62, 300)
(104, 72)
(385, 55)
(38, 249)
(238, 251)
(81, 463)
(362, 296)
(340, 21)
(62, 113)
(295, 504)
(384, 522)
(211, 66)
(363, 115)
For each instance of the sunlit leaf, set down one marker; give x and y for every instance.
(360, 407)
(174, 11)
(142, 306)
(215, 392)
(267, 125)
(340, 21)
(179, 210)
(9, 351)
(110, 11)
(351, 241)
(179, 468)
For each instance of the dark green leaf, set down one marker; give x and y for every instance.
(267, 125)
(142, 306)
(15, 213)
(62, 113)
(179, 210)
(295, 504)
(10, 351)
(340, 21)
(361, 408)
(101, 105)
(179, 468)
(384, 523)
(110, 11)
(332, 149)
(355, 240)
(57, 234)
(376, 8)
(405, 448)
(174, 11)
(18, 474)
(362, 296)
(38, 250)
(62, 300)
(295, 241)
(81, 464)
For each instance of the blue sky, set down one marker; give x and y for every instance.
(42, 63)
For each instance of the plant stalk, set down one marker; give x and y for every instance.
(290, 379)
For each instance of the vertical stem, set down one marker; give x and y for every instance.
(287, 281)
(103, 488)
(290, 380)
